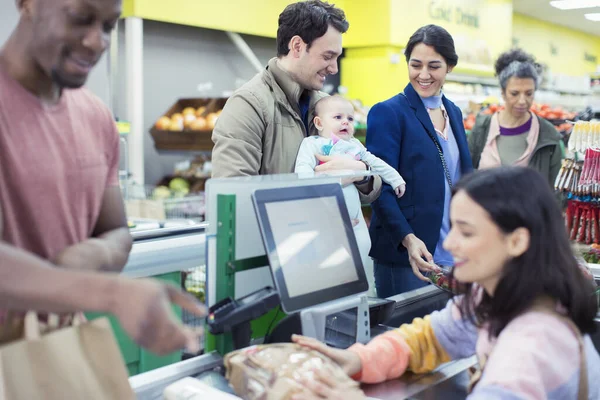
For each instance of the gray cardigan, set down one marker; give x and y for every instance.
(547, 155)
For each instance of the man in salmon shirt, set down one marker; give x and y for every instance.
(62, 220)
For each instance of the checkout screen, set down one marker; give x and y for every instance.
(311, 243)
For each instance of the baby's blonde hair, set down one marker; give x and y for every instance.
(326, 100)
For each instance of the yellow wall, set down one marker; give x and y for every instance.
(379, 29)
(370, 76)
(379, 32)
(538, 37)
(369, 25)
(481, 28)
(242, 16)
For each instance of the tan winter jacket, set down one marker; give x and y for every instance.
(260, 129)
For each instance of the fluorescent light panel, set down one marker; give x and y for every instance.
(575, 4)
(593, 17)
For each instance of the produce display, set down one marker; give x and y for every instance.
(188, 179)
(469, 121)
(592, 256)
(189, 119)
(557, 115)
(177, 188)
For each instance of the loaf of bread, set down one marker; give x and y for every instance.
(272, 372)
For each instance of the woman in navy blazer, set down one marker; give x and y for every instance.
(420, 133)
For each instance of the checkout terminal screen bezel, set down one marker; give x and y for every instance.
(290, 304)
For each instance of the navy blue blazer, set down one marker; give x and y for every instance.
(397, 133)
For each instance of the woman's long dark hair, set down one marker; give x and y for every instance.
(518, 197)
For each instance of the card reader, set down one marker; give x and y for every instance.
(234, 316)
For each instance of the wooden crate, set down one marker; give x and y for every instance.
(187, 140)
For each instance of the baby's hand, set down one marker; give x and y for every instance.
(400, 190)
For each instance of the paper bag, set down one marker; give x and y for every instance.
(78, 362)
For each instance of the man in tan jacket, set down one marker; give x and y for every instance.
(262, 125)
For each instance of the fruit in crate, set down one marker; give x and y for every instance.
(211, 119)
(163, 123)
(180, 193)
(199, 124)
(161, 193)
(200, 111)
(188, 120)
(189, 111)
(179, 185)
(177, 122)
(176, 126)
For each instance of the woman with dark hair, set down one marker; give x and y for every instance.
(419, 133)
(514, 135)
(525, 310)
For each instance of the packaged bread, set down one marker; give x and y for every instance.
(193, 389)
(273, 372)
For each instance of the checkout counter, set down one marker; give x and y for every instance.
(162, 251)
(449, 381)
(182, 249)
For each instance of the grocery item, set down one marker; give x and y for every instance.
(272, 371)
(185, 115)
(211, 120)
(161, 193)
(443, 279)
(179, 184)
(200, 111)
(189, 111)
(193, 389)
(163, 123)
(177, 122)
(592, 256)
(199, 124)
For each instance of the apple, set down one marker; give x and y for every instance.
(211, 120)
(189, 111)
(199, 124)
(163, 123)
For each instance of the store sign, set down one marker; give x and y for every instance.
(590, 57)
(456, 14)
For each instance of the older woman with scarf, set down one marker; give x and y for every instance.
(514, 135)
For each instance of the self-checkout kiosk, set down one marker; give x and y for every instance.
(301, 233)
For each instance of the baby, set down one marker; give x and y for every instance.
(335, 122)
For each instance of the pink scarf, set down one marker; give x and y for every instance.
(490, 157)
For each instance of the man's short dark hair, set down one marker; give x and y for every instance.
(309, 20)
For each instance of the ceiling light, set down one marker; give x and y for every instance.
(593, 17)
(574, 4)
